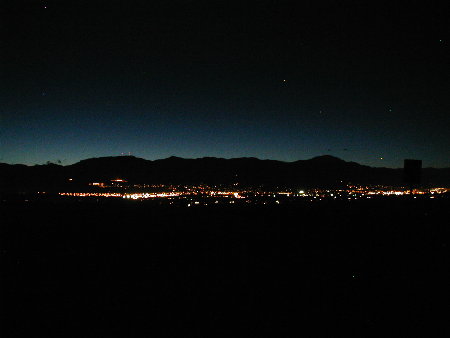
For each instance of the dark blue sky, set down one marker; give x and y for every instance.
(364, 82)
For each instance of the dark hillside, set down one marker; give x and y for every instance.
(322, 171)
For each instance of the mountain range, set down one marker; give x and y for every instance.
(321, 171)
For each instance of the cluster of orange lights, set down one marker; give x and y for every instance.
(90, 194)
(205, 191)
(148, 195)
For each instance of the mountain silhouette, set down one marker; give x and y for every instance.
(321, 171)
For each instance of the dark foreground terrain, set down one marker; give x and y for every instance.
(327, 269)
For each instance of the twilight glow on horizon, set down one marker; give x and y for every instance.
(363, 82)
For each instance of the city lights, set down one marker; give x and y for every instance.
(199, 194)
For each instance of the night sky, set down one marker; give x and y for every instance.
(366, 81)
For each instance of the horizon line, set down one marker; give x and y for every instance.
(59, 162)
